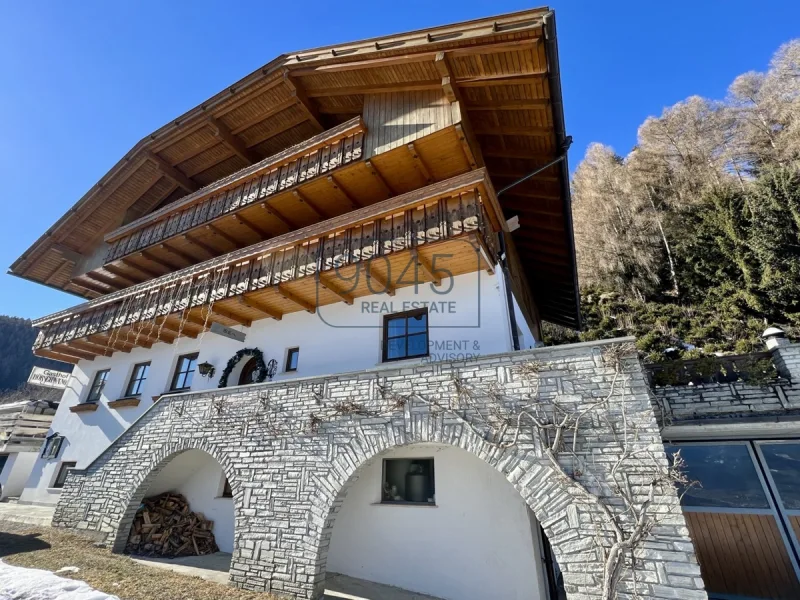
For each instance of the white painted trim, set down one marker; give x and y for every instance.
(718, 431)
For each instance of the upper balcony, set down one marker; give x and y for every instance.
(21, 430)
(427, 235)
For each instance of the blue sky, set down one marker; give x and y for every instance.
(82, 82)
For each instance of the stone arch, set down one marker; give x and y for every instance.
(142, 479)
(542, 489)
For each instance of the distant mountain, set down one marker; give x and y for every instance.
(16, 356)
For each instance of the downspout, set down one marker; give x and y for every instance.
(512, 317)
(562, 141)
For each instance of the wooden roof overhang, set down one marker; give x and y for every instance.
(424, 236)
(325, 176)
(503, 71)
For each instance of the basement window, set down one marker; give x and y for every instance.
(408, 481)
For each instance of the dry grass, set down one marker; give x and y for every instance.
(52, 549)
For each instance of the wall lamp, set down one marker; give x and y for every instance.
(206, 369)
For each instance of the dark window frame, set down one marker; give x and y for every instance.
(292, 352)
(61, 476)
(52, 446)
(137, 382)
(431, 475)
(98, 385)
(192, 357)
(405, 315)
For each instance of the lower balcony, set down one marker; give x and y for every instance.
(425, 236)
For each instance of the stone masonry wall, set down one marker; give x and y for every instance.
(290, 469)
(681, 403)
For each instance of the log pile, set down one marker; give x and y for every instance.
(164, 526)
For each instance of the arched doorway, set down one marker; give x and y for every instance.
(199, 478)
(437, 520)
(250, 372)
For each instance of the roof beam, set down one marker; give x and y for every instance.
(426, 268)
(262, 233)
(209, 250)
(117, 272)
(325, 281)
(144, 270)
(386, 285)
(179, 253)
(419, 163)
(90, 347)
(291, 297)
(502, 79)
(224, 134)
(260, 118)
(228, 238)
(343, 193)
(357, 90)
(89, 285)
(515, 130)
(272, 211)
(56, 356)
(106, 342)
(172, 173)
(533, 104)
(148, 255)
(259, 307)
(69, 351)
(387, 189)
(304, 101)
(112, 283)
(178, 329)
(303, 199)
(68, 253)
(466, 135)
(223, 312)
(154, 334)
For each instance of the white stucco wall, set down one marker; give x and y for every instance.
(478, 542)
(467, 317)
(15, 473)
(198, 476)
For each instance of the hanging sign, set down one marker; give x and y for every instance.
(228, 332)
(48, 378)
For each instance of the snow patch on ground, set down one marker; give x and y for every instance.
(18, 583)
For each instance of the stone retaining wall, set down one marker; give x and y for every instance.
(290, 463)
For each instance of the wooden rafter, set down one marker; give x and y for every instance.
(56, 356)
(68, 253)
(179, 253)
(153, 334)
(304, 101)
(504, 105)
(325, 281)
(120, 274)
(502, 79)
(279, 216)
(422, 262)
(107, 342)
(303, 199)
(178, 329)
(227, 137)
(261, 117)
(517, 153)
(171, 172)
(534, 131)
(343, 193)
(89, 285)
(466, 134)
(224, 312)
(209, 250)
(419, 163)
(100, 278)
(387, 189)
(74, 352)
(385, 285)
(260, 307)
(301, 302)
(262, 233)
(90, 347)
(149, 273)
(148, 255)
(228, 238)
(382, 88)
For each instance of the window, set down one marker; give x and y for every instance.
(726, 474)
(405, 335)
(3, 459)
(292, 356)
(408, 481)
(227, 492)
(783, 462)
(138, 377)
(97, 386)
(62, 474)
(52, 446)
(184, 371)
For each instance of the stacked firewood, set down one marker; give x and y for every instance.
(164, 526)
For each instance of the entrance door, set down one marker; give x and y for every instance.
(248, 372)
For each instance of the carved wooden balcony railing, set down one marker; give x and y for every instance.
(321, 155)
(441, 230)
(23, 431)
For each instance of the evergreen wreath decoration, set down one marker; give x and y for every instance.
(261, 368)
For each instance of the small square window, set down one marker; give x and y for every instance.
(99, 383)
(227, 492)
(184, 372)
(405, 335)
(292, 356)
(138, 377)
(408, 481)
(62, 474)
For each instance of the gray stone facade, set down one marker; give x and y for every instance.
(290, 469)
(679, 404)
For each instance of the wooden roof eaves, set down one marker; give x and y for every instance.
(350, 127)
(273, 71)
(475, 179)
